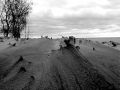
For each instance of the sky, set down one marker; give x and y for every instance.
(79, 18)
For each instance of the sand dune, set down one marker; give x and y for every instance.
(41, 65)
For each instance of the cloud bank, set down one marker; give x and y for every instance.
(81, 18)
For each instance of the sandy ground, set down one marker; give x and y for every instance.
(39, 64)
(102, 39)
(115, 39)
(105, 59)
(118, 47)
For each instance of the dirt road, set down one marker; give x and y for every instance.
(43, 66)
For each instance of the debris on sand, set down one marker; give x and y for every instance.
(111, 43)
(29, 86)
(14, 44)
(94, 49)
(70, 41)
(77, 47)
(19, 60)
(32, 77)
(22, 69)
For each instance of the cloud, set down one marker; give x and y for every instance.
(61, 8)
(75, 17)
(64, 8)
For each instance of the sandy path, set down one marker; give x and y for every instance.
(43, 69)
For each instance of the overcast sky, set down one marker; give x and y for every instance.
(80, 18)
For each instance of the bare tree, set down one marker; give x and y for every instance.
(14, 16)
(5, 18)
